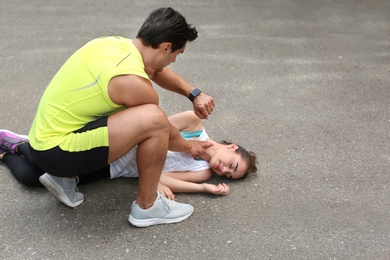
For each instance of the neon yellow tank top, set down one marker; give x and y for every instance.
(78, 93)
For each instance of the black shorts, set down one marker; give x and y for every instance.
(62, 163)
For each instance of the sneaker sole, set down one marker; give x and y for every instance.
(56, 190)
(156, 221)
(18, 135)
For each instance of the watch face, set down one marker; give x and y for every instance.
(194, 93)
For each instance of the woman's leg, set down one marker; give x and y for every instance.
(22, 170)
(24, 150)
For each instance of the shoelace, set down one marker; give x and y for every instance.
(169, 204)
(8, 142)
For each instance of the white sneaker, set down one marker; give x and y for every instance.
(63, 188)
(163, 211)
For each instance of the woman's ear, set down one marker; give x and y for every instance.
(233, 146)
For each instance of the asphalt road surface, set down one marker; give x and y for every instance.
(304, 84)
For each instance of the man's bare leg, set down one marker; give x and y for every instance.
(148, 127)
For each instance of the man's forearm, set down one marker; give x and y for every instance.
(170, 80)
(176, 142)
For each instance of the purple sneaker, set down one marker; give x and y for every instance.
(9, 141)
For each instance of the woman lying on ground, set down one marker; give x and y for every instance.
(181, 174)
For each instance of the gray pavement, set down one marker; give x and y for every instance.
(304, 84)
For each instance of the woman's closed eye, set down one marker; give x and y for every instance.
(233, 167)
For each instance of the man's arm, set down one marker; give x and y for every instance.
(194, 147)
(131, 91)
(168, 79)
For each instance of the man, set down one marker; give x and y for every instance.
(101, 104)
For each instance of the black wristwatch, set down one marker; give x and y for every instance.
(194, 93)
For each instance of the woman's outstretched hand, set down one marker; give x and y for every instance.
(221, 189)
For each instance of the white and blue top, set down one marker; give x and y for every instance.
(126, 166)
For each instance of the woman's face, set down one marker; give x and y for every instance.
(226, 162)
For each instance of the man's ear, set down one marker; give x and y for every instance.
(166, 47)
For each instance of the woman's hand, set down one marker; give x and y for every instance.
(165, 191)
(221, 189)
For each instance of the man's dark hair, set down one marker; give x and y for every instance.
(166, 25)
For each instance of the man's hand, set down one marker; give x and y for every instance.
(203, 105)
(198, 149)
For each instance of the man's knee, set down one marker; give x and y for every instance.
(156, 118)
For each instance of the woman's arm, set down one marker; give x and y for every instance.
(189, 182)
(186, 121)
(176, 185)
(190, 176)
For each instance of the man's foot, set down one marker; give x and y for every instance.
(163, 211)
(9, 141)
(63, 188)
